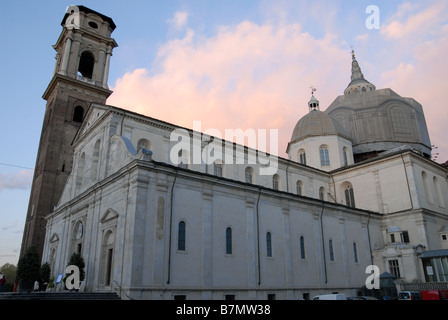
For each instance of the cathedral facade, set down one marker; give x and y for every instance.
(358, 188)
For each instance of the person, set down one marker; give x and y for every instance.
(2, 281)
(36, 285)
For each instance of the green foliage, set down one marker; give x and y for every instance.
(28, 267)
(9, 272)
(45, 272)
(77, 260)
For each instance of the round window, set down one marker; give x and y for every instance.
(93, 25)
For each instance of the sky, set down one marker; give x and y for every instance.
(229, 64)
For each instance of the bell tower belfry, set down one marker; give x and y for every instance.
(83, 52)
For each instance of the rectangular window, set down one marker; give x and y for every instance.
(181, 237)
(302, 247)
(330, 248)
(228, 241)
(392, 238)
(355, 253)
(394, 268)
(109, 266)
(268, 244)
(405, 237)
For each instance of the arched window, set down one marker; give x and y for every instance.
(78, 233)
(439, 194)
(427, 185)
(268, 244)
(181, 236)
(299, 187)
(143, 144)
(95, 160)
(78, 114)
(302, 247)
(229, 240)
(217, 168)
(86, 63)
(160, 221)
(80, 171)
(345, 156)
(275, 182)
(330, 248)
(249, 175)
(349, 196)
(324, 156)
(302, 156)
(184, 159)
(322, 193)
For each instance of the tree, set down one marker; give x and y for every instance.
(9, 272)
(45, 272)
(28, 269)
(77, 260)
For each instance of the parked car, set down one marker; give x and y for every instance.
(409, 295)
(335, 296)
(367, 298)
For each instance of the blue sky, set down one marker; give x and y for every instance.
(406, 54)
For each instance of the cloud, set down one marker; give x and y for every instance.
(362, 37)
(245, 76)
(423, 77)
(179, 20)
(16, 180)
(411, 21)
(13, 227)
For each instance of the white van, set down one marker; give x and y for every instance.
(335, 296)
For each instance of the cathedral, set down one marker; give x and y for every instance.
(358, 188)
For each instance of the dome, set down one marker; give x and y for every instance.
(317, 123)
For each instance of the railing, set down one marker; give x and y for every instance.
(120, 290)
(422, 286)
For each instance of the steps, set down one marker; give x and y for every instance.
(64, 295)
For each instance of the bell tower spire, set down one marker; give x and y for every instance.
(83, 52)
(356, 69)
(358, 83)
(313, 104)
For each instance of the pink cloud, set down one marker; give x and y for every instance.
(424, 78)
(246, 76)
(16, 180)
(258, 75)
(408, 22)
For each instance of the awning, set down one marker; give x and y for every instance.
(434, 254)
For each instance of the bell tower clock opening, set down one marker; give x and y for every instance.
(83, 52)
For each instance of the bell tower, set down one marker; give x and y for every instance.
(83, 52)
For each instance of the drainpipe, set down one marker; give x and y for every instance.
(407, 181)
(368, 237)
(170, 228)
(323, 241)
(258, 238)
